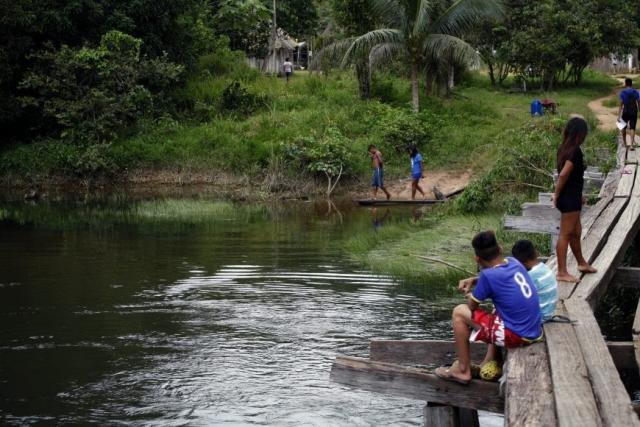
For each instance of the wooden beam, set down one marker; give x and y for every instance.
(415, 383)
(531, 224)
(449, 416)
(626, 277)
(635, 332)
(529, 394)
(626, 181)
(610, 184)
(573, 395)
(614, 404)
(619, 239)
(420, 352)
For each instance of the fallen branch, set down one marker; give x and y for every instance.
(426, 258)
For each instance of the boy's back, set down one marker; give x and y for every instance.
(514, 297)
(547, 286)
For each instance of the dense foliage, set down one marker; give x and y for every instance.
(553, 41)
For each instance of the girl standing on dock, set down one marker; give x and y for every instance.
(416, 171)
(569, 200)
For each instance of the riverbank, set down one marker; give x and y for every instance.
(480, 134)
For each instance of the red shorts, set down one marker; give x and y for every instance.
(493, 331)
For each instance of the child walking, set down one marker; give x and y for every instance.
(416, 171)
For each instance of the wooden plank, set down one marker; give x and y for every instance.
(574, 398)
(623, 354)
(610, 184)
(527, 376)
(635, 332)
(632, 158)
(414, 383)
(621, 154)
(614, 404)
(626, 181)
(420, 352)
(531, 224)
(626, 277)
(618, 241)
(598, 232)
(545, 198)
(440, 415)
(451, 416)
(540, 210)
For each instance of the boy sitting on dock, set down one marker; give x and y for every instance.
(541, 275)
(517, 318)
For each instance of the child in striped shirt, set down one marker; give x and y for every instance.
(541, 276)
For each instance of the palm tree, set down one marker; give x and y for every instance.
(421, 31)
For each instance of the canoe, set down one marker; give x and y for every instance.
(395, 202)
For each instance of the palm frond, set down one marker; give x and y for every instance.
(448, 48)
(332, 53)
(385, 53)
(363, 44)
(389, 12)
(464, 15)
(423, 17)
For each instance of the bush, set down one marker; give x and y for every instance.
(237, 99)
(91, 94)
(328, 156)
(403, 128)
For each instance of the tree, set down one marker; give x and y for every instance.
(415, 30)
(90, 94)
(247, 23)
(354, 18)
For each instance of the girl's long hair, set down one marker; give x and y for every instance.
(573, 136)
(413, 150)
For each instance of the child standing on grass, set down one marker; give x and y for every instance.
(288, 69)
(517, 320)
(416, 171)
(378, 172)
(540, 274)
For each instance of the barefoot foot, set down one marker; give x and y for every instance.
(566, 277)
(587, 269)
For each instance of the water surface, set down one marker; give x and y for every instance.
(197, 312)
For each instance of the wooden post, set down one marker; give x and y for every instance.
(436, 415)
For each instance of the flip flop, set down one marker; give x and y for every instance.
(444, 374)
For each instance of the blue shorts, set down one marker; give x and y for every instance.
(416, 176)
(378, 178)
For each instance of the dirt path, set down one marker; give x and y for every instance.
(607, 115)
(446, 181)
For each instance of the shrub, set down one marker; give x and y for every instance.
(328, 156)
(403, 128)
(237, 99)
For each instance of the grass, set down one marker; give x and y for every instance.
(464, 130)
(441, 234)
(478, 128)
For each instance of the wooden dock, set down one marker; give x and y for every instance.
(572, 378)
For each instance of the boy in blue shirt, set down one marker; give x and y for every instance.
(628, 111)
(517, 319)
(416, 171)
(541, 275)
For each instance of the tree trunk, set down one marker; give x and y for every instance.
(451, 76)
(415, 90)
(492, 74)
(363, 73)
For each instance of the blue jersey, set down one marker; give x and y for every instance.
(514, 297)
(416, 164)
(547, 287)
(629, 97)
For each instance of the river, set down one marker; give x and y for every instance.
(187, 312)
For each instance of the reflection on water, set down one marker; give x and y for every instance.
(195, 313)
